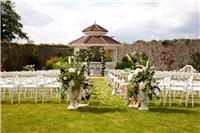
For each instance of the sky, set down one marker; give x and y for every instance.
(61, 21)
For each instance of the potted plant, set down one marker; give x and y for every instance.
(142, 85)
(73, 80)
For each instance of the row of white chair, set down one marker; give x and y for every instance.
(185, 84)
(26, 84)
(173, 83)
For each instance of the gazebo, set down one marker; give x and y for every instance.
(95, 35)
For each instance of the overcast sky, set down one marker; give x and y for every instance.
(61, 21)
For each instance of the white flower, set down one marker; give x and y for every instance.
(137, 71)
(72, 70)
(130, 76)
(71, 83)
(142, 85)
(65, 78)
(70, 60)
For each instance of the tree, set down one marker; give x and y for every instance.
(167, 58)
(194, 60)
(11, 28)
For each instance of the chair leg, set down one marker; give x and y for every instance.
(165, 95)
(12, 97)
(25, 93)
(36, 95)
(192, 93)
(19, 97)
(59, 95)
(170, 99)
(4, 91)
(43, 94)
(187, 97)
(174, 94)
(160, 101)
(181, 97)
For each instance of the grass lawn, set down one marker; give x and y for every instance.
(106, 114)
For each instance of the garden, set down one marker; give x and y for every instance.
(105, 113)
(95, 84)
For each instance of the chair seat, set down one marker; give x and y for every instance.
(7, 86)
(28, 86)
(52, 86)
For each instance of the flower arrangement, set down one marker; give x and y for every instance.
(73, 81)
(142, 84)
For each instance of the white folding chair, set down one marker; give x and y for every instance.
(178, 83)
(159, 77)
(122, 86)
(164, 84)
(51, 87)
(193, 88)
(8, 86)
(28, 86)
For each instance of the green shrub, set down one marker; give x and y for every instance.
(51, 63)
(55, 62)
(132, 60)
(140, 42)
(125, 63)
(165, 43)
(194, 60)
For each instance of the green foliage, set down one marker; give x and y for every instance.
(142, 83)
(194, 60)
(29, 67)
(96, 54)
(73, 76)
(166, 43)
(103, 60)
(73, 79)
(11, 28)
(140, 42)
(125, 63)
(132, 60)
(16, 56)
(55, 63)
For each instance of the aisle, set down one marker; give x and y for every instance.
(103, 94)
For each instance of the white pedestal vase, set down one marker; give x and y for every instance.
(71, 98)
(143, 106)
(72, 105)
(82, 104)
(143, 100)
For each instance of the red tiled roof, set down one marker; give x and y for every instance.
(95, 27)
(94, 40)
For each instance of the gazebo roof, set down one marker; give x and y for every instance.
(94, 40)
(95, 36)
(95, 27)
